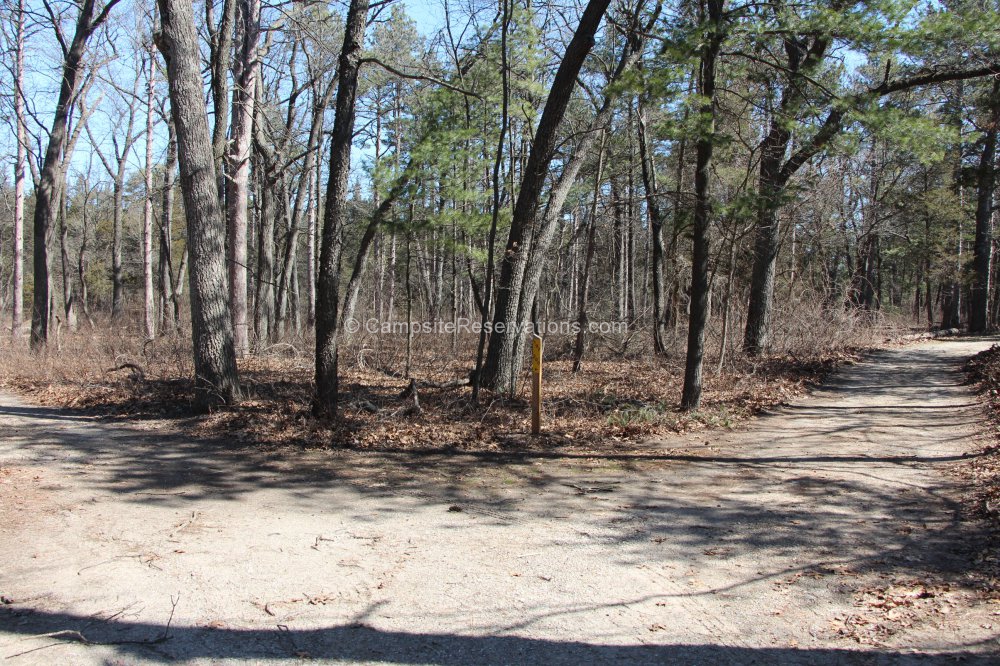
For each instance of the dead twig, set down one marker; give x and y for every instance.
(78, 637)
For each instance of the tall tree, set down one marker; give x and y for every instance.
(17, 310)
(502, 363)
(805, 51)
(335, 213)
(245, 70)
(149, 296)
(88, 20)
(712, 11)
(985, 194)
(216, 378)
(117, 167)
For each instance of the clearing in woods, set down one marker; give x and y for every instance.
(828, 532)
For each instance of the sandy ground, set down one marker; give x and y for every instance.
(828, 532)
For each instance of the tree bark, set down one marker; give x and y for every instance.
(499, 370)
(656, 219)
(531, 262)
(264, 293)
(216, 378)
(691, 396)
(588, 261)
(979, 295)
(149, 295)
(238, 160)
(17, 309)
(69, 299)
(220, 45)
(47, 190)
(169, 305)
(331, 249)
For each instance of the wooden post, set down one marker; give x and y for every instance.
(536, 384)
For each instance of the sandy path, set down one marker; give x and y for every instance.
(826, 533)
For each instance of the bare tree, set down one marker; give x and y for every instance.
(149, 309)
(712, 18)
(17, 314)
(331, 247)
(245, 67)
(502, 357)
(116, 164)
(216, 378)
(89, 19)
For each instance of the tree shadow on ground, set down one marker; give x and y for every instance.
(815, 485)
(358, 642)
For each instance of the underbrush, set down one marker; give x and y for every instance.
(623, 397)
(983, 370)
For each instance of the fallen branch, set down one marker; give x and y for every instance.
(930, 335)
(76, 636)
(426, 383)
(137, 373)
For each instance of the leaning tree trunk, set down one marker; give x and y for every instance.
(979, 295)
(220, 46)
(334, 217)
(47, 191)
(531, 261)
(216, 378)
(499, 370)
(264, 293)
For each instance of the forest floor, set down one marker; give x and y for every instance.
(833, 529)
(622, 398)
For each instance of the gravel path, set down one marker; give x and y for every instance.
(828, 532)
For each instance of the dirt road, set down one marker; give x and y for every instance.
(829, 532)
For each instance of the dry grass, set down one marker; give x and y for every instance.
(622, 398)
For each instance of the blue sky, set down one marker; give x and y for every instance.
(428, 14)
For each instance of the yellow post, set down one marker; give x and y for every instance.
(536, 384)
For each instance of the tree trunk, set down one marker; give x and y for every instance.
(149, 295)
(169, 306)
(220, 45)
(69, 300)
(584, 287)
(691, 396)
(501, 366)
(47, 190)
(656, 218)
(979, 295)
(364, 245)
(17, 314)
(311, 247)
(264, 296)
(487, 295)
(81, 264)
(532, 262)
(334, 217)
(238, 161)
(727, 304)
(216, 378)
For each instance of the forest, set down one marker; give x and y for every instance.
(344, 220)
(499, 332)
